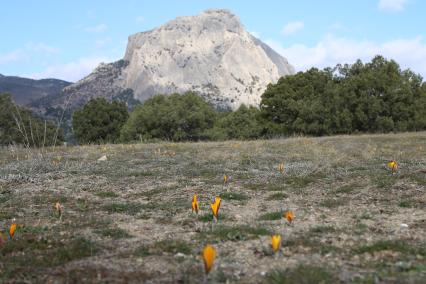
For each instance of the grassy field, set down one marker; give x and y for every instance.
(129, 220)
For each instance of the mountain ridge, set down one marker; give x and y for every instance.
(24, 91)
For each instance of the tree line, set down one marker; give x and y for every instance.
(175, 117)
(373, 97)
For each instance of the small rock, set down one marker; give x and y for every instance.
(403, 265)
(263, 273)
(403, 226)
(103, 158)
(179, 254)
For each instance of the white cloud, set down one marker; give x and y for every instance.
(28, 52)
(71, 71)
(331, 50)
(293, 27)
(42, 48)
(392, 5)
(96, 29)
(13, 56)
(140, 19)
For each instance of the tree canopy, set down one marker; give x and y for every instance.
(244, 123)
(99, 121)
(372, 97)
(170, 117)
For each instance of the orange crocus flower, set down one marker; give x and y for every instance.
(215, 207)
(195, 204)
(225, 179)
(276, 242)
(12, 230)
(209, 254)
(289, 216)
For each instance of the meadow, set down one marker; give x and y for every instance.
(128, 219)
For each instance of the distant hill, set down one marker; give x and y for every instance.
(24, 91)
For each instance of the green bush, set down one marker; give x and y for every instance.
(244, 123)
(99, 121)
(372, 97)
(19, 126)
(175, 117)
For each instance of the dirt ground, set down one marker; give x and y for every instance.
(128, 219)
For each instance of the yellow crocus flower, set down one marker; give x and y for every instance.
(195, 204)
(276, 242)
(215, 207)
(393, 165)
(225, 179)
(209, 254)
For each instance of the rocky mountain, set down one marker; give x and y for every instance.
(210, 53)
(24, 91)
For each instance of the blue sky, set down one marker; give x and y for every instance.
(67, 39)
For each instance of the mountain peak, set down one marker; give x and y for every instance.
(219, 13)
(223, 12)
(210, 53)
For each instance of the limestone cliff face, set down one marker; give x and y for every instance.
(211, 54)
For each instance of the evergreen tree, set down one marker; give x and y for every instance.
(244, 123)
(99, 121)
(175, 117)
(372, 97)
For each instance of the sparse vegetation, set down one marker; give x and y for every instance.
(19, 126)
(401, 246)
(131, 217)
(107, 194)
(233, 196)
(126, 208)
(301, 274)
(270, 216)
(234, 233)
(115, 233)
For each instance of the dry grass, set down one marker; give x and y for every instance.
(129, 219)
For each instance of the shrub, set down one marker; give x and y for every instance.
(99, 121)
(175, 117)
(244, 123)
